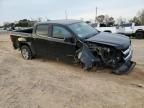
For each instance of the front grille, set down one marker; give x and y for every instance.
(128, 54)
(125, 49)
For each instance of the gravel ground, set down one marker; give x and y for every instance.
(44, 83)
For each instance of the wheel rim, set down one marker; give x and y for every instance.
(25, 53)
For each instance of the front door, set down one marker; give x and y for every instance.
(60, 48)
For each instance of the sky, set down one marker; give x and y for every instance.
(13, 10)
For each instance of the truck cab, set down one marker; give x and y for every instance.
(53, 40)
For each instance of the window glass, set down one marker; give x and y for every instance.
(103, 25)
(83, 30)
(42, 30)
(60, 32)
(126, 25)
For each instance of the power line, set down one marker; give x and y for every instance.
(66, 15)
(96, 14)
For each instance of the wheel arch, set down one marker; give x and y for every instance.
(29, 44)
(139, 30)
(108, 31)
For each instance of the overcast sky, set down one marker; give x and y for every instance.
(12, 10)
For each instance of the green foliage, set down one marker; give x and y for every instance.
(20, 23)
(139, 19)
(105, 19)
(100, 18)
(141, 16)
(25, 23)
(135, 20)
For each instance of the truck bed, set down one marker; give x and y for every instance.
(23, 33)
(15, 35)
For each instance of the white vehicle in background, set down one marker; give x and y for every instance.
(105, 28)
(131, 29)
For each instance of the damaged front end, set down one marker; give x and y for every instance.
(93, 55)
(128, 65)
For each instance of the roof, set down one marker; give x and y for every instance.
(63, 22)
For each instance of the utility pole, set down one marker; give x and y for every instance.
(66, 15)
(96, 15)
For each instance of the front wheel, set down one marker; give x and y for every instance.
(26, 52)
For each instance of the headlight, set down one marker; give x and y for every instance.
(91, 45)
(95, 47)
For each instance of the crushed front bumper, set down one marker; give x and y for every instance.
(88, 59)
(128, 65)
(125, 68)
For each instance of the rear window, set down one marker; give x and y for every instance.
(103, 25)
(42, 30)
(126, 25)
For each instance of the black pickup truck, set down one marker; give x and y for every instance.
(76, 41)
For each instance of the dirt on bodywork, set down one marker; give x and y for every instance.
(43, 83)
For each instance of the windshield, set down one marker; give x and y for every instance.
(83, 30)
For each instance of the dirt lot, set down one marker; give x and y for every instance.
(44, 83)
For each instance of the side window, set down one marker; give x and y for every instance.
(60, 32)
(42, 30)
(102, 25)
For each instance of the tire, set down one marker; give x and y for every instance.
(139, 35)
(26, 52)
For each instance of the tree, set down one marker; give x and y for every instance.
(135, 20)
(25, 23)
(109, 21)
(139, 18)
(105, 19)
(101, 18)
(6, 25)
(121, 21)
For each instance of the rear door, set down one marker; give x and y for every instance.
(41, 42)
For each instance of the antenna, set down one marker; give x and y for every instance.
(66, 15)
(96, 15)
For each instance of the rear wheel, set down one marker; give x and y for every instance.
(26, 52)
(139, 35)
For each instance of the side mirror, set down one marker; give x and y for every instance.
(69, 39)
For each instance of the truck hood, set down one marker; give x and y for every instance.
(116, 40)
